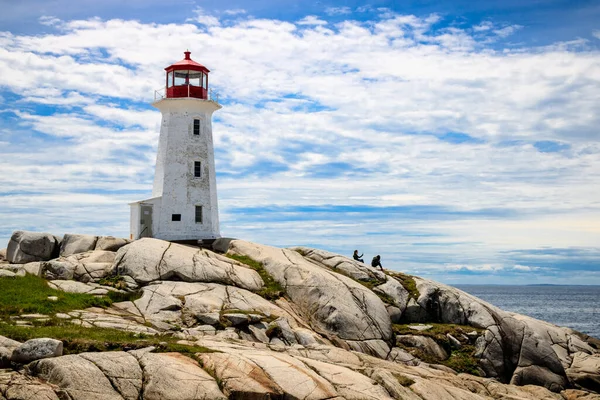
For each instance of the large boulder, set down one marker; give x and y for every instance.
(36, 349)
(148, 260)
(73, 244)
(110, 243)
(332, 303)
(425, 344)
(190, 304)
(172, 376)
(24, 247)
(584, 372)
(90, 266)
(122, 370)
(7, 346)
(2, 255)
(77, 377)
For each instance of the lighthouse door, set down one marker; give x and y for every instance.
(146, 221)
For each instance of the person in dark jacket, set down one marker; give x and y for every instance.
(376, 262)
(357, 257)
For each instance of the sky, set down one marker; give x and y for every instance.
(459, 140)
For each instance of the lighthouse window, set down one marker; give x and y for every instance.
(181, 78)
(198, 214)
(197, 169)
(175, 217)
(196, 127)
(170, 79)
(195, 78)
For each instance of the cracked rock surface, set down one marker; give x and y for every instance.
(327, 336)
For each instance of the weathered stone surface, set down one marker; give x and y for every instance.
(148, 260)
(164, 374)
(33, 268)
(585, 371)
(77, 377)
(377, 348)
(395, 291)
(163, 302)
(240, 377)
(4, 273)
(93, 265)
(74, 244)
(110, 243)
(58, 269)
(122, 370)
(2, 254)
(77, 287)
(36, 349)
(268, 372)
(426, 344)
(349, 384)
(331, 302)
(24, 247)
(541, 376)
(16, 386)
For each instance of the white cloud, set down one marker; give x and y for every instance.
(507, 30)
(49, 20)
(235, 11)
(311, 20)
(204, 19)
(596, 34)
(338, 10)
(484, 26)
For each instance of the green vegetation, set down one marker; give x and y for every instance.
(463, 360)
(77, 339)
(460, 360)
(272, 290)
(407, 282)
(29, 295)
(116, 281)
(403, 380)
(438, 332)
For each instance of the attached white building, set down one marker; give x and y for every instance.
(183, 205)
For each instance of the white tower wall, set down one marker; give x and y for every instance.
(174, 181)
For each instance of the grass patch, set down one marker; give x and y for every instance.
(117, 281)
(438, 332)
(403, 380)
(460, 360)
(272, 290)
(408, 283)
(29, 295)
(77, 339)
(463, 360)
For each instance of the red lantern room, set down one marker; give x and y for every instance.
(187, 78)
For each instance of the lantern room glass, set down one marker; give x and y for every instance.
(192, 78)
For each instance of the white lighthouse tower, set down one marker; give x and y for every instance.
(184, 205)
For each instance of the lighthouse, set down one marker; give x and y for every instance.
(183, 206)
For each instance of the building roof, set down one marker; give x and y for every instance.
(187, 63)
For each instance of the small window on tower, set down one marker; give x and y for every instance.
(198, 214)
(197, 169)
(175, 217)
(196, 127)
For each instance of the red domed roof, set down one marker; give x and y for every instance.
(187, 63)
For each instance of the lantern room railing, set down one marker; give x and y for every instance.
(161, 93)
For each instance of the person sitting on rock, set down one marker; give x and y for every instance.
(376, 262)
(357, 257)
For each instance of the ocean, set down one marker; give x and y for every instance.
(577, 307)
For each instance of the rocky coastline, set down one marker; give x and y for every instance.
(249, 321)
